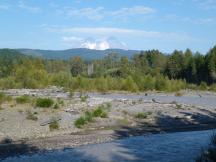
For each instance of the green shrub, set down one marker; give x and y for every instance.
(148, 83)
(53, 126)
(141, 115)
(56, 106)
(192, 86)
(99, 112)
(161, 84)
(81, 121)
(8, 98)
(103, 115)
(23, 99)
(60, 102)
(44, 102)
(31, 116)
(88, 116)
(203, 86)
(101, 84)
(130, 85)
(213, 87)
(4, 97)
(83, 98)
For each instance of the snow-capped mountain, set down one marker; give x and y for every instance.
(103, 44)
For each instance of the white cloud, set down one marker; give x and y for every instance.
(91, 43)
(136, 10)
(144, 37)
(33, 9)
(206, 4)
(72, 39)
(97, 31)
(4, 7)
(107, 32)
(103, 44)
(99, 13)
(89, 13)
(172, 17)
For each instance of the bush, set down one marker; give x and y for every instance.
(141, 115)
(130, 85)
(31, 116)
(4, 97)
(203, 86)
(56, 106)
(161, 83)
(99, 112)
(101, 84)
(192, 86)
(23, 99)
(89, 117)
(83, 98)
(148, 83)
(44, 102)
(213, 87)
(80, 122)
(53, 126)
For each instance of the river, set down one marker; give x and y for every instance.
(169, 147)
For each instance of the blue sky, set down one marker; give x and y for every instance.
(138, 24)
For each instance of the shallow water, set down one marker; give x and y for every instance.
(206, 100)
(171, 147)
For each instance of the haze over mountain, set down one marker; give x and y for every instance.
(87, 54)
(89, 49)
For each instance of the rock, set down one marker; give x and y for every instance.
(71, 110)
(188, 116)
(51, 120)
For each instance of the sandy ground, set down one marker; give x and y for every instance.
(17, 132)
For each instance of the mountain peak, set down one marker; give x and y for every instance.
(103, 44)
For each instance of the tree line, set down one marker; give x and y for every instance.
(147, 70)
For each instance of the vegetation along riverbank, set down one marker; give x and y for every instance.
(145, 70)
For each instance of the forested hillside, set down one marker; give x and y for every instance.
(146, 70)
(86, 54)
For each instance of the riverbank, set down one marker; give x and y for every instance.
(43, 145)
(179, 146)
(127, 115)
